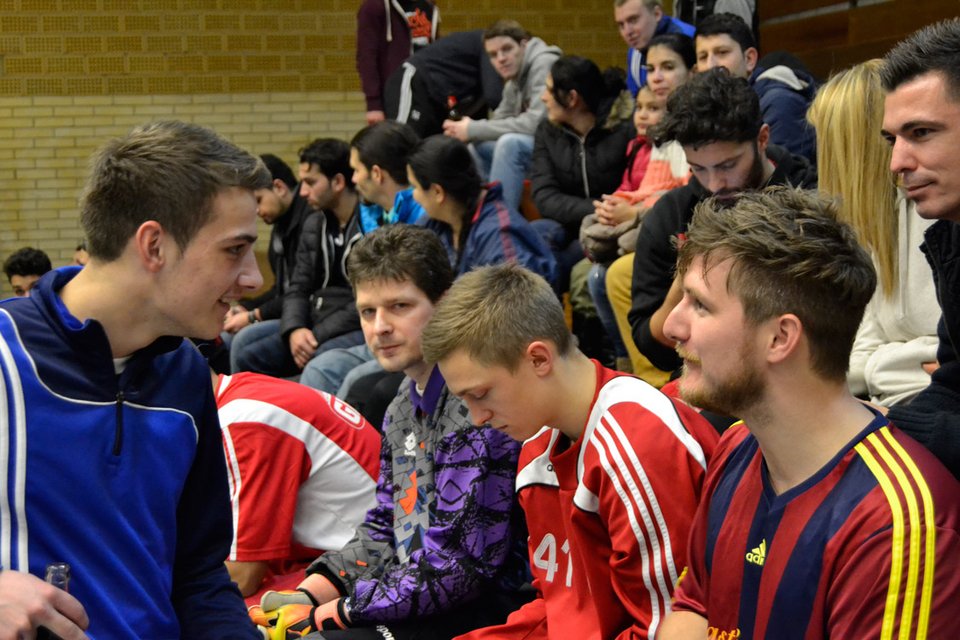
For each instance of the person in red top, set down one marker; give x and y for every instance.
(609, 487)
(303, 469)
(820, 519)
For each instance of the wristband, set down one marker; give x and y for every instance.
(252, 316)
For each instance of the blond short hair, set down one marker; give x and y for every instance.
(493, 313)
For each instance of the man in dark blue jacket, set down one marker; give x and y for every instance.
(115, 462)
(317, 310)
(285, 209)
(725, 40)
(922, 121)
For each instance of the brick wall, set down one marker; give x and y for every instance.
(268, 74)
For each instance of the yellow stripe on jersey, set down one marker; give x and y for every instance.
(896, 556)
(913, 562)
(930, 529)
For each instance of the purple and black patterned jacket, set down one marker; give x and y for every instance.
(446, 526)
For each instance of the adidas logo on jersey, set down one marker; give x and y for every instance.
(758, 555)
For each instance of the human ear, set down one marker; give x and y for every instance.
(785, 335)
(151, 248)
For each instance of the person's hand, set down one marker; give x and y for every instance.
(237, 318)
(613, 210)
(303, 344)
(930, 367)
(27, 602)
(294, 620)
(373, 117)
(457, 128)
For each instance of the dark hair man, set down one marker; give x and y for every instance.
(24, 267)
(378, 158)
(284, 208)
(724, 40)
(317, 305)
(813, 486)
(922, 121)
(113, 414)
(716, 119)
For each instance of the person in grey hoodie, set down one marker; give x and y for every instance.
(502, 144)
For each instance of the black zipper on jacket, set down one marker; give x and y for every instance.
(118, 433)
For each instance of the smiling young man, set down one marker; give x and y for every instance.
(444, 531)
(922, 121)
(610, 484)
(110, 414)
(716, 119)
(502, 144)
(819, 519)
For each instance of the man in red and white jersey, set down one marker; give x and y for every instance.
(609, 487)
(303, 469)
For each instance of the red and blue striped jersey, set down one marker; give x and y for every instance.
(866, 548)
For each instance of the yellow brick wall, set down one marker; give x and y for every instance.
(268, 74)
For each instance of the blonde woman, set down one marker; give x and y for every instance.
(895, 348)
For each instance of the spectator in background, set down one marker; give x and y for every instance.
(670, 61)
(389, 32)
(921, 76)
(317, 305)
(503, 142)
(580, 152)
(716, 118)
(638, 22)
(303, 472)
(24, 267)
(474, 223)
(285, 209)
(724, 40)
(378, 158)
(897, 341)
(455, 67)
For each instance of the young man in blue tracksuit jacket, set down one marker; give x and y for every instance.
(115, 463)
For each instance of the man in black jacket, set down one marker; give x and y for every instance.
(922, 121)
(717, 120)
(317, 306)
(285, 209)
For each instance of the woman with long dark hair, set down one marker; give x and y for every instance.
(474, 223)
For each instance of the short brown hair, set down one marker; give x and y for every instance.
(402, 252)
(494, 313)
(166, 171)
(506, 28)
(790, 254)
